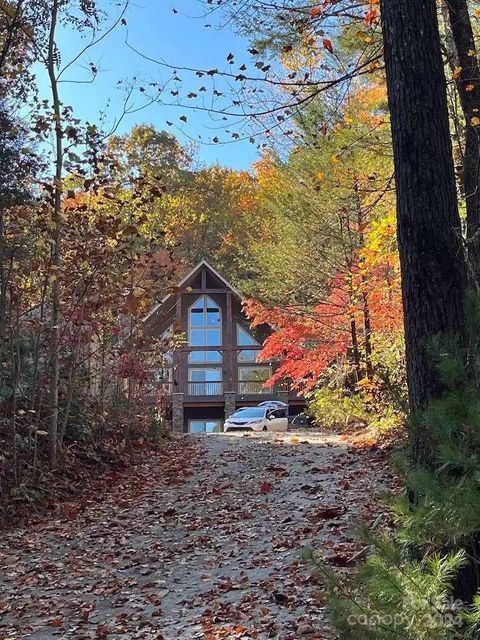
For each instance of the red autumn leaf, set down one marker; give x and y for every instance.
(328, 513)
(316, 11)
(266, 487)
(371, 16)
(56, 622)
(101, 632)
(328, 45)
(71, 513)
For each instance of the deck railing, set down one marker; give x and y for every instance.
(205, 388)
(213, 388)
(253, 388)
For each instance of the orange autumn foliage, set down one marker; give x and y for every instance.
(307, 342)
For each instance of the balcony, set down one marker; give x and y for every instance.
(204, 388)
(250, 389)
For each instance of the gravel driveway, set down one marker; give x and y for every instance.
(204, 542)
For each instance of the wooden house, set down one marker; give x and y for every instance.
(216, 368)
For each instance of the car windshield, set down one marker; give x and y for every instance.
(250, 412)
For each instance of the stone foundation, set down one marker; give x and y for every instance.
(178, 420)
(230, 406)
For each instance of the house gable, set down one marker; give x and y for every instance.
(202, 277)
(208, 277)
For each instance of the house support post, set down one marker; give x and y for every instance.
(178, 420)
(230, 397)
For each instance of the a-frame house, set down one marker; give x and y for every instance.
(215, 369)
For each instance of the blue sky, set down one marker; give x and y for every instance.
(178, 38)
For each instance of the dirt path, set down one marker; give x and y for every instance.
(208, 547)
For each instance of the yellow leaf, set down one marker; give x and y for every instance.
(335, 160)
(364, 382)
(472, 52)
(475, 122)
(457, 72)
(321, 176)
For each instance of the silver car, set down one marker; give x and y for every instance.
(257, 419)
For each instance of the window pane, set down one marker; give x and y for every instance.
(244, 339)
(197, 426)
(197, 375)
(213, 337)
(248, 355)
(196, 356)
(259, 374)
(213, 374)
(213, 426)
(210, 304)
(213, 356)
(204, 356)
(196, 318)
(167, 333)
(205, 426)
(202, 375)
(199, 304)
(213, 318)
(197, 338)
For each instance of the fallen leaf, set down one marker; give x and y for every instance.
(56, 622)
(266, 487)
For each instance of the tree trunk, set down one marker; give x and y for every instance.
(68, 399)
(12, 25)
(367, 322)
(355, 349)
(367, 329)
(57, 222)
(467, 80)
(3, 298)
(428, 225)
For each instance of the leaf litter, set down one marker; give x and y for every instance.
(204, 542)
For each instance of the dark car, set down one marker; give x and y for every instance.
(302, 421)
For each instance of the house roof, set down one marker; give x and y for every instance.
(204, 263)
(189, 276)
